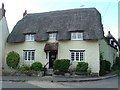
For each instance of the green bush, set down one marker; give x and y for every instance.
(23, 68)
(116, 64)
(61, 65)
(82, 67)
(13, 59)
(105, 67)
(36, 66)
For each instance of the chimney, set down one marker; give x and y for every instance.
(25, 13)
(109, 35)
(3, 10)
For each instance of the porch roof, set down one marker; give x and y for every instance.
(51, 46)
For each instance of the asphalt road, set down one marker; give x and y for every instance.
(106, 83)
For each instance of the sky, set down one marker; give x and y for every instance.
(107, 8)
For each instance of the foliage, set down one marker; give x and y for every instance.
(105, 67)
(23, 68)
(36, 66)
(116, 65)
(82, 67)
(13, 59)
(61, 65)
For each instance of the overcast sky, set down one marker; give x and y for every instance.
(107, 8)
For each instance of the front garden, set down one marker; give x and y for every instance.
(60, 67)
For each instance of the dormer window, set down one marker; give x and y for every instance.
(30, 37)
(52, 36)
(76, 35)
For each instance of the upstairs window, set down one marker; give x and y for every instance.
(52, 36)
(76, 35)
(29, 37)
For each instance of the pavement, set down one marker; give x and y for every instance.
(54, 81)
(54, 78)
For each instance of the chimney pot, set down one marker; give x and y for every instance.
(25, 13)
(3, 10)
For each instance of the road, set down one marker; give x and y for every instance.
(106, 83)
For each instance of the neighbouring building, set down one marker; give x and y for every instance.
(75, 34)
(4, 32)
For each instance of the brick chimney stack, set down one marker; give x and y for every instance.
(25, 13)
(3, 10)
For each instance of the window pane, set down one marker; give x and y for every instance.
(32, 37)
(72, 56)
(81, 56)
(28, 55)
(33, 55)
(80, 35)
(25, 55)
(77, 56)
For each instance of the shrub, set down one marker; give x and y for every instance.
(82, 67)
(104, 67)
(36, 66)
(116, 64)
(12, 59)
(61, 65)
(23, 68)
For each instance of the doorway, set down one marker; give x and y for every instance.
(52, 58)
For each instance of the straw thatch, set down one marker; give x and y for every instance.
(63, 22)
(51, 46)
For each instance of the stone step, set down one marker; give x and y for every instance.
(49, 72)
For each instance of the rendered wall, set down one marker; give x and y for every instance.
(108, 52)
(3, 36)
(91, 51)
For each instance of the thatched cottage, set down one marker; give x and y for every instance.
(75, 34)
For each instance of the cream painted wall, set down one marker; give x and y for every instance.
(40, 55)
(4, 32)
(107, 51)
(91, 51)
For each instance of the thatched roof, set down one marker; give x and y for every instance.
(63, 22)
(51, 46)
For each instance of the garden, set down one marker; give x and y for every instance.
(61, 67)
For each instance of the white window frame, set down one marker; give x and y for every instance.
(76, 35)
(29, 37)
(77, 55)
(52, 36)
(30, 55)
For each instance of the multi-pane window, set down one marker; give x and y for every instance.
(29, 55)
(77, 55)
(52, 36)
(29, 37)
(76, 35)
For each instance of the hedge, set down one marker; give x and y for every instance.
(105, 67)
(82, 67)
(36, 66)
(61, 65)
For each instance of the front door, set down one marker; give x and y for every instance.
(52, 57)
